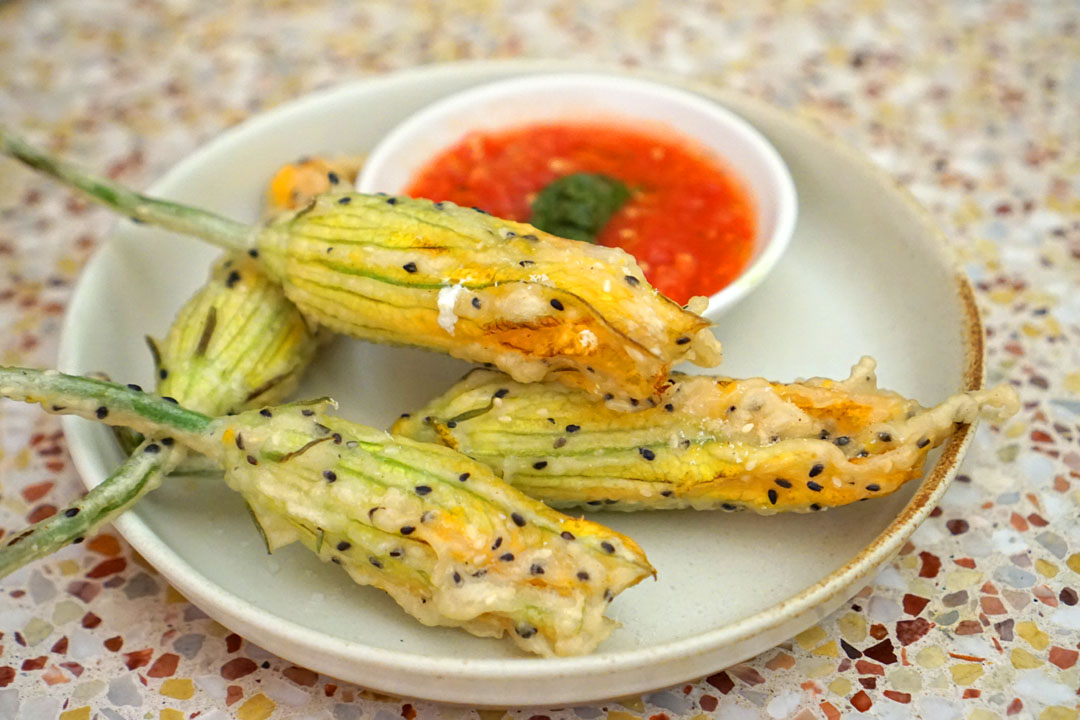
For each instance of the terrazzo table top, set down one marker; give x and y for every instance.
(972, 106)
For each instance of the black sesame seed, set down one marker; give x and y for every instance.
(608, 396)
(498, 541)
(463, 477)
(647, 454)
(167, 441)
(816, 487)
(731, 409)
(873, 487)
(862, 453)
(525, 263)
(375, 561)
(666, 493)
(608, 547)
(337, 438)
(476, 303)
(728, 506)
(152, 448)
(253, 253)
(409, 267)
(457, 578)
(782, 482)
(101, 412)
(884, 437)
(336, 561)
(518, 520)
(922, 443)
(501, 393)
(539, 464)
(526, 631)
(403, 416)
(816, 470)
(440, 205)
(682, 341)
(634, 401)
(422, 489)
(582, 575)
(266, 413)
(396, 552)
(572, 428)
(307, 412)
(71, 512)
(343, 545)
(506, 557)
(842, 440)
(163, 373)
(555, 303)
(330, 475)
(333, 178)
(407, 530)
(173, 400)
(251, 460)
(536, 569)
(239, 441)
(345, 200)
(232, 279)
(773, 496)
(77, 540)
(669, 407)
(566, 535)
(481, 211)
(391, 201)
(595, 502)
(631, 281)
(133, 386)
(451, 424)
(815, 507)
(529, 236)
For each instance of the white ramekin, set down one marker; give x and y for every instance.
(594, 98)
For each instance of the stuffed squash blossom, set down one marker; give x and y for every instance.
(708, 443)
(451, 279)
(443, 535)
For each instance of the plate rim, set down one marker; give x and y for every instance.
(256, 621)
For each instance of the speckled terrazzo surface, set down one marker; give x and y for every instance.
(970, 105)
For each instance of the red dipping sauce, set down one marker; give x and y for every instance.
(689, 221)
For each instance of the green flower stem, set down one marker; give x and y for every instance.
(109, 403)
(140, 474)
(213, 228)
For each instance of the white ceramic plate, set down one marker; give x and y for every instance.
(865, 273)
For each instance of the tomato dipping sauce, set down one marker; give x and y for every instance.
(689, 222)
